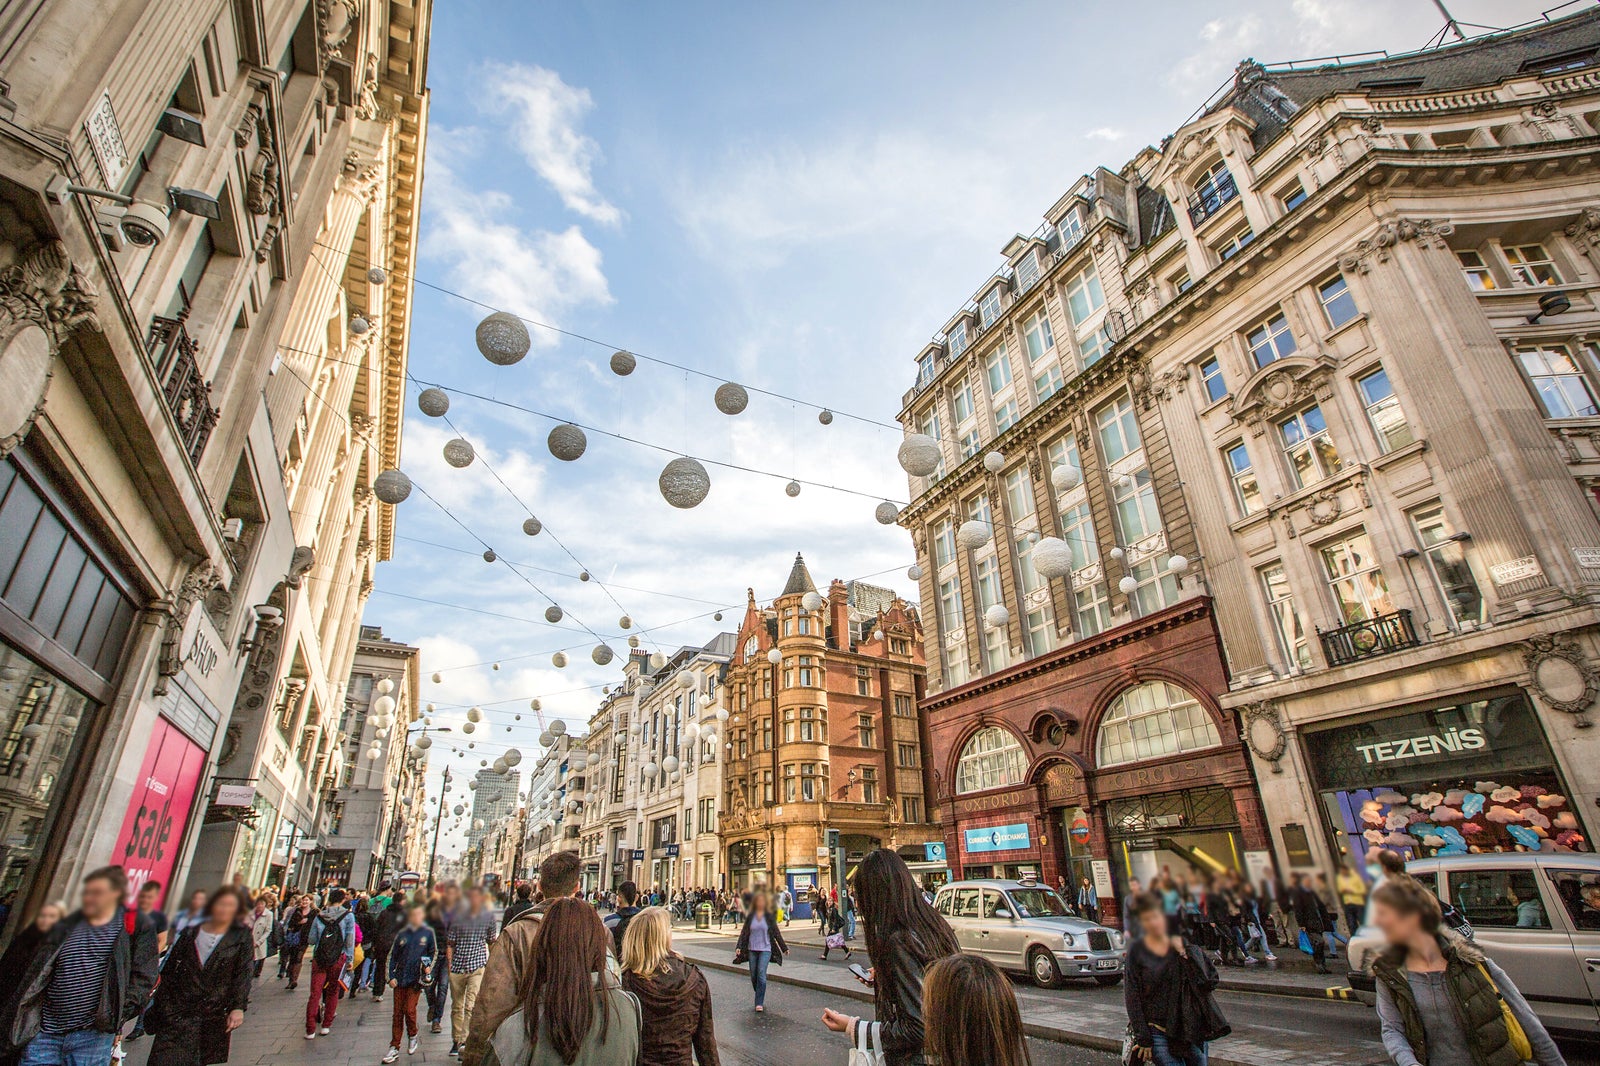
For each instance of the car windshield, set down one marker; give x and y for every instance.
(1038, 903)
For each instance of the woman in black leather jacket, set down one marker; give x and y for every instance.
(905, 936)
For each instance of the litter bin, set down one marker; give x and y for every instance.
(702, 916)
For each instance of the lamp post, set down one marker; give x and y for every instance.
(438, 820)
(394, 814)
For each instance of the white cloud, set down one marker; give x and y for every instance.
(546, 122)
(1105, 133)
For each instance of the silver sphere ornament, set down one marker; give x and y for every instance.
(774, 656)
(886, 513)
(657, 660)
(919, 455)
(686, 679)
(558, 728)
(994, 462)
(731, 398)
(503, 338)
(377, 275)
(625, 622)
(792, 489)
(825, 416)
(1178, 564)
(559, 660)
(531, 526)
(1066, 478)
(553, 614)
(601, 655)
(474, 714)
(1127, 585)
(623, 363)
(535, 705)
(583, 575)
(391, 487)
(1052, 557)
(359, 325)
(684, 482)
(996, 616)
(433, 402)
(973, 534)
(633, 640)
(717, 617)
(458, 453)
(489, 556)
(567, 442)
(811, 600)
(914, 572)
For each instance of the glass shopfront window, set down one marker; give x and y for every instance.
(1470, 776)
(39, 717)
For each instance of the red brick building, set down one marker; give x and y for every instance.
(1041, 768)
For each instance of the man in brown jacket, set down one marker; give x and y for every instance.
(501, 992)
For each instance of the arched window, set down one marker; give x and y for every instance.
(1153, 720)
(992, 758)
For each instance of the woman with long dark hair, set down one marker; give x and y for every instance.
(574, 1012)
(905, 936)
(205, 986)
(760, 943)
(972, 1015)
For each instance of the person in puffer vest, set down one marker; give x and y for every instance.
(1439, 995)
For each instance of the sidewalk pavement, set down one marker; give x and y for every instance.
(1291, 975)
(1060, 1015)
(274, 1032)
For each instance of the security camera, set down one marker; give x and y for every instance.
(144, 225)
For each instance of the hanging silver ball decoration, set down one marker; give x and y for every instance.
(433, 402)
(996, 616)
(1051, 556)
(391, 486)
(919, 455)
(623, 363)
(583, 575)
(657, 660)
(458, 453)
(552, 614)
(731, 398)
(684, 482)
(503, 338)
(717, 617)
(994, 462)
(359, 325)
(567, 442)
(558, 660)
(825, 416)
(811, 600)
(792, 489)
(973, 534)
(489, 556)
(914, 572)
(625, 622)
(633, 640)
(531, 526)
(1066, 478)
(377, 275)
(535, 705)
(886, 513)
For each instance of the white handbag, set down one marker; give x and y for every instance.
(869, 1046)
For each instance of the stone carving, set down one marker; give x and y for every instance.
(269, 238)
(300, 564)
(1324, 507)
(261, 669)
(43, 299)
(1562, 675)
(1148, 389)
(1285, 385)
(1264, 733)
(1586, 230)
(261, 191)
(1427, 232)
(1545, 109)
(1372, 124)
(367, 105)
(360, 176)
(200, 579)
(336, 21)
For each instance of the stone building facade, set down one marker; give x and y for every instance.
(824, 741)
(1331, 345)
(160, 208)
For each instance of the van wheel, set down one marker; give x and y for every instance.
(1043, 969)
(1108, 979)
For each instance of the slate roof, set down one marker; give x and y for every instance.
(799, 579)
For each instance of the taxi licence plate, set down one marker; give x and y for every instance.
(1106, 964)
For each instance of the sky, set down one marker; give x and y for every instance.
(794, 196)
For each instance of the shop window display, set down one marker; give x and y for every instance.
(1466, 778)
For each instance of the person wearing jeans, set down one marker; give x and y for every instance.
(467, 947)
(410, 962)
(760, 943)
(326, 968)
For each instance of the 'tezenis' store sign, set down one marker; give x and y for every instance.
(1424, 746)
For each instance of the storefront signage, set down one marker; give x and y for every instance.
(933, 851)
(234, 796)
(1103, 888)
(994, 801)
(1080, 829)
(1258, 866)
(672, 851)
(105, 137)
(1588, 558)
(1428, 744)
(1012, 837)
(202, 654)
(637, 855)
(158, 814)
(1515, 570)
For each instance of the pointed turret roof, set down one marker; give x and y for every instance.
(800, 581)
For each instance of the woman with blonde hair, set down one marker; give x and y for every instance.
(673, 995)
(972, 1016)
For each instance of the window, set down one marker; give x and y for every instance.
(1558, 380)
(791, 784)
(766, 734)
(1476, 271)
(1036, 336)
(906, 756)
(1579, 891)
(969, 444)
(1154, 587)
(1133, 500)
(1094, 345)
(1084, 296)
(1077, 529)
(1531, 265)
(911, 809)
(1271, 340)
(986, 575)
(949, 607)
(924, 368)
(807, 674)
(931, 426)
(993, 758)
(944, 543)
(1383, 411)
(1235, 244)
(1337, 302)
(1092, 606)
(863, 681)
(1119, 429)
(1211, 379)
(1212, 190)
(1499, 899)
(979, 511)
(1181, 282)
(867, 731)
(1309, 447)
(1071, 228)
(998, 368)
(1036, 636)
(1292, 196)
(903, 706)
(1064, 452)
(1027, 271)
(956, 339)
(1153, 720)
(989, 307)
(1019, 494)
(808, 781)
(193, 272)
(1285, 619)
(1351, 568)
(1447, 561)
(1246, 491)
(1048, 383)
(869, 784)
(1005, 416)
(961, 403)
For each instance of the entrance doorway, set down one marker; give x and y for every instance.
(1186, 835)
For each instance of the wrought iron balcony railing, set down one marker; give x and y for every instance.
(1368, 637)
(188, 396)
(1221, 191)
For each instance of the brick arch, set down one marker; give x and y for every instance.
(979, 725)
(1133, 678)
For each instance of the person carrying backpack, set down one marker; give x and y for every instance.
(628, 894)
(333, 945)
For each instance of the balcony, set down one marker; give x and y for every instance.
(1369, 637)
(188, 396)
(1219, 191)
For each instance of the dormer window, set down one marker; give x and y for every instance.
(1027, 271)
(957, 338)
(1070, 228)
(1213, 190)
(989, 307)
(924, 368)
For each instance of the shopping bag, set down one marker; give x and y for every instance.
(1305, 943)
(1518, 1036)
(1130, 1048)
(869, 1049)
(834, 940)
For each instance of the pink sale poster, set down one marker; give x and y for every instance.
(152, 834)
